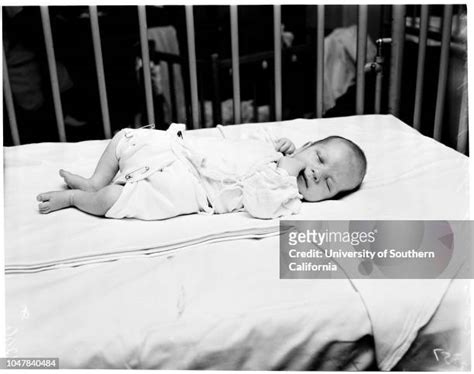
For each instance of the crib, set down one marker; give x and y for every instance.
(202, 291)
(194, 106)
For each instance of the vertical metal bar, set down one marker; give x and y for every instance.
(443, 70)
(201, 101)
(378, 91)
(216, 97)
(361, 55)
(192, 65)
(396, 61)
(420, 70)
(174, 109)
(320, 62)
(146, 63)
(277, 45)
(48, 39)
(234, 33)
(99, 64)
(463, 123)
(9, 101)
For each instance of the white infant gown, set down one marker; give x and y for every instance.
(167, 173)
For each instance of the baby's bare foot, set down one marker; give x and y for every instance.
(76, 182)
(55, 200)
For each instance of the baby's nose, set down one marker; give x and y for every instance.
(316, 174)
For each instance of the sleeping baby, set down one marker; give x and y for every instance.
(151, 174)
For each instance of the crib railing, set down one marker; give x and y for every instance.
(48, 39)
(396, 63)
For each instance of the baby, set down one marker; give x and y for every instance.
(162, 174)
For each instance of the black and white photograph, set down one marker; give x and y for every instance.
(237, 186)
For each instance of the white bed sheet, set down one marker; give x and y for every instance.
(409, 177)
(219, 306)
(444, 344)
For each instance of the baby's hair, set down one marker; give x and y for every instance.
(358, 152)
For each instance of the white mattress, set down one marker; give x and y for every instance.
(177, 287)
(409, 177)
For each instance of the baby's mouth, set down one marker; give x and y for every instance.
(303, 176)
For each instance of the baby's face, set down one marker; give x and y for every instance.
(330, 167)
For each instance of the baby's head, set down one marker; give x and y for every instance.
(333, 165)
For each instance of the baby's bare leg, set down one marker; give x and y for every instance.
(104, 172)
(92, 202)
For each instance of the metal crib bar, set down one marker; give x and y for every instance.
(146, 63)
(420, 70)
(174, 109)
(378, 92)
(201, 101)
(99, 64)
(234, 33)
(443, 70)
(216, 97)
(192, 65)
(396, 61)
(361, 55)
(320, 62)
(48, 39)
(463, 124)
(277, 44)
(9, 101)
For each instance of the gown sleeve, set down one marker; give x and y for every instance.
(271, 193)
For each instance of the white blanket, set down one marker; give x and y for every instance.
(409, 177)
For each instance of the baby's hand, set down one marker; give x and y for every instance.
(292, 165)
(285, 146)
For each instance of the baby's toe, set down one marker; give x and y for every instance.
(41, 197)
(44, 207)
(64, 173)
(45, 196)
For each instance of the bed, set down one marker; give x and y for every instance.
(203, 292)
